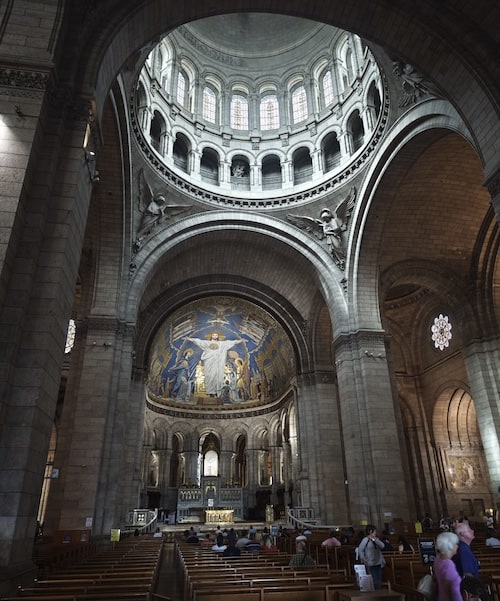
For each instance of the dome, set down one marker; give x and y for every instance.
(257, 110)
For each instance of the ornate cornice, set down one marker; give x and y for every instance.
(26, 82)
(216, 412)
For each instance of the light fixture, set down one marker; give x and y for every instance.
(90, 159)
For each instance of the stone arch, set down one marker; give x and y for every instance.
(377, 198)
(315, 259)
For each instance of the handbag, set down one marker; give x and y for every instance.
(427, 587)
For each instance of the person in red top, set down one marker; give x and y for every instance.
(330, 543)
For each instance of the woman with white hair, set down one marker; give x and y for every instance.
(445, 572)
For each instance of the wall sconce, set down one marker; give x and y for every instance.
(90, 159)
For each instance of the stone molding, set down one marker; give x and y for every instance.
(316, 192)
(30, 83)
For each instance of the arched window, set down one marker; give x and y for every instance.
(269, 112)
(356, 129)
(327, 85)
(156, 131)
(374, 99)
(181, 152)
(331, 152)
(181, 89)
(209, 167)
(299, 104)
(271, 173)
(209, 105)
(302, 166)
(239, 112)
(211, 464)
(349, 59)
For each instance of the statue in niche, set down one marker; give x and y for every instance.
(329, 226)
(154, 210)
(413, 84)
(154, 475)
(238, 169)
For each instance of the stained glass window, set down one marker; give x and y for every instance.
(239, 112)
(328, 88)
(269, 113)
(70, 336)
(209, 104)
(181, 89)
(441, 332)
(299, 104)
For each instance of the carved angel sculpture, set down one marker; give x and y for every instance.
(329, 226)
(154, 210)
(413, 84)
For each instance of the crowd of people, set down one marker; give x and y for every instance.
(455, 568)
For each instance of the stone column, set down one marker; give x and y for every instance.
(481, 361)
(191, 467)
(369, 412)
(225, 467)
(46, 217)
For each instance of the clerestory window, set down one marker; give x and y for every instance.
(299, 104)
(209, 105)
(239, 112)
(269, 113)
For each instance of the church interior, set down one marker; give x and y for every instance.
(249, 263)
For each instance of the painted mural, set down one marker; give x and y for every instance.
(221, 350)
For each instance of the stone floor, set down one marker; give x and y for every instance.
(169, 581)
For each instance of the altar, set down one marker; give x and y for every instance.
(219, 516)
(200, 502)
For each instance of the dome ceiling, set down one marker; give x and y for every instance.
(256, 36)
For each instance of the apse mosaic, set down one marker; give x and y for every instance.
(220, 350)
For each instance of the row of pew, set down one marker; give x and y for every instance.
(267, 577)
(127, 571)
(264, 577)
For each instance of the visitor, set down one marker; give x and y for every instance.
(301, 557)
(472, 589)
(492, 541)
(331, 542)
(267, 544)
(370, 553)
(445, 572)
(464, 559)
(219, 546)
(404, 546)
(231, 550)
(253, 545)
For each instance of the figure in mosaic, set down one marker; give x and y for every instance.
(214, 358)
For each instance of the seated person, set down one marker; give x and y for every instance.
(207, 541)
(231, 550)
(242, 542)
(403, 545)
(267, 544)
(331, 542)
(301, 557)
(253, 545)
(219, 546)
(472, 589)
(492, 541)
